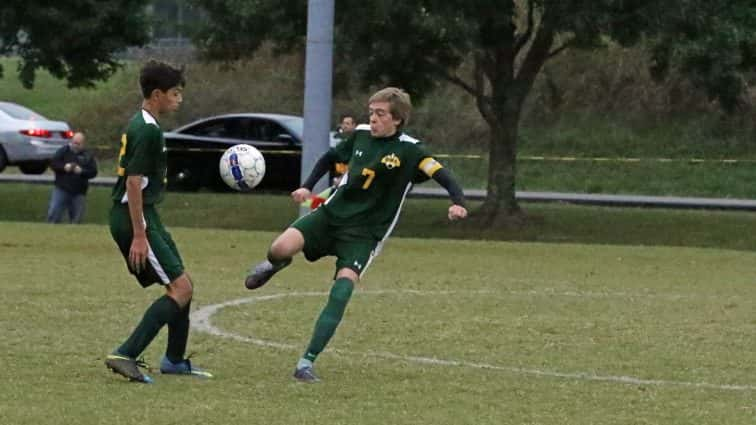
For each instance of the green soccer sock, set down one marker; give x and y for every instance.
(162, 311)
(178, 335)
(330, 317)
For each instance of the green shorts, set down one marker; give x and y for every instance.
(164, 263)
(323, 239)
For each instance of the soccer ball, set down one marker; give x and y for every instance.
(242, 167)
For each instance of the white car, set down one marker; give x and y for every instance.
(29, 140)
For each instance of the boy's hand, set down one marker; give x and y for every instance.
(300, 195)
(457, 212)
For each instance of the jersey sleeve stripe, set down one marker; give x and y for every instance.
(429, 166)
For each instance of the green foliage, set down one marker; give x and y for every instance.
(238, 27)
(494, 51)
(713, 42)
(74, 40)
(640, 119)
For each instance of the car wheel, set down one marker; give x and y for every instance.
(33, 167)
(3, 160)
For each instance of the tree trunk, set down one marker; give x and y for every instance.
(502, 169)
(508, 93)
(502, 111)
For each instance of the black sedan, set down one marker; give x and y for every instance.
(194, 150)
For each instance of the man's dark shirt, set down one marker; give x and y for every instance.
(75, 184)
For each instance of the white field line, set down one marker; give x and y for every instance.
(201, 321)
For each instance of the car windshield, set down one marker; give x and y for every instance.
(295, 124)
(20, 113)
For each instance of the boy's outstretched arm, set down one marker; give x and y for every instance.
(445, 178)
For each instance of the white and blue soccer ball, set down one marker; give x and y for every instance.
(242, 167)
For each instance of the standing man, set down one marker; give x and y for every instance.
(74, 166)
(346, 126)
(355, 221)
(150, 253)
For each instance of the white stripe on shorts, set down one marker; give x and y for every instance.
(154, 261)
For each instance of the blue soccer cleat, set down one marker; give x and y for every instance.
(183, 367)
(128, 367)
(306, 374)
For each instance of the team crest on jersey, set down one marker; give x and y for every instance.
(391, 161)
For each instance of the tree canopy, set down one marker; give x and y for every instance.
(415, 44)
(74, 40)
(713, 43)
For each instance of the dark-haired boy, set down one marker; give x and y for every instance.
(150, 253)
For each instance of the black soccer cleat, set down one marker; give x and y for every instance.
(128, 367)
(306, 374)
(262, 273)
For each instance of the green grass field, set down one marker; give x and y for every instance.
(439, 332)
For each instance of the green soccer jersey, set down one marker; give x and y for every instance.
(143, 152)
(381, 170)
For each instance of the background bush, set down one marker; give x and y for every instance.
(585, 104)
